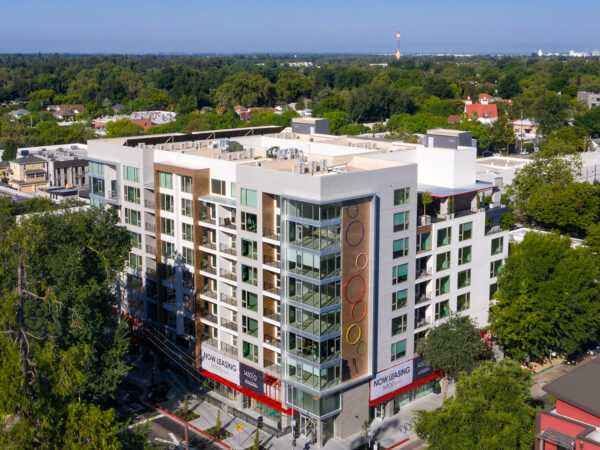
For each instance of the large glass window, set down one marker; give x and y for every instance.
(296, 208)
(314, 323)
(187, 232)
(165, 180)
(249, 249)
(249, 275)
(167, 226)
(310, 265)
(495, 267)
(217, 186)
(97, 186)
(311, 294)
(443, 261)
(248, 222)
(399, 324)
(401, 221)
(399, 299)
(400, 247)
(135, 261)
(136, 239)
(442, 309)
(188, 256)
(249, 301)
(316, 238)
(96, 168)
(186, 184)
(463, 301)
(315, 405)
(248, 197)
(423, 241)
(249, 326)
(399, 273)
(398, 350)
(131, 194)
(444, 236)
(186, 207)
(168, 249)
(313, 350)
(465, 231)
(250, 351)
(497, 245)
(464, 278)
(401, 196)
(442, 285)
(133, 217)
(166, 202)
(464, 255)
(131, 174)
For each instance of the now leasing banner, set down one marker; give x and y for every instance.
(399, 376)
(221, 365)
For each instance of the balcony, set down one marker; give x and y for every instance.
(208, 244)
(422, 322)
(270, 314)
(210, 317)
(149, 203)
(423, 273)
(272, 340)
(271, 288)
(230, 349)
(209, 293)
(112, 195)
(422, 297)
(150, 226)
(272, 367)
(209, 269)
(270, 233)
(272, 262)
(230, 274)
(150, 249)
(229, 299)
(229, 324)
(208, 219)
(228, 249)
(210, 342)
(227, 223)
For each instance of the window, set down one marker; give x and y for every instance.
(166, 202)
(133, 217)
(399, 325)
(248, 197)
(401, 221)
(401, 196)
(167, 226)
(136, 239)
(464, 278)
(444, 236)
(248, 222)
(249, 301)
(186, 184)
(497, 245)
(217, 186)
(135, 261)
(249, 275)
(463, 301)
(96, 168)
(97, 187)
(423, 241)
(131, 174)
(188, 256)
(165, 180)
(400, 273)
(233, 190)
(250, 351)
(465, 231)
(398, 350)
(400, 247)
(249, 249)
(132, 194)
(186, 207)
(464, 255)
(495, 267)
(442, 285)
(493, 290)
(187, 232)
(399, 299)
(168, 249)
(443, 261)
(442, 309)
(249, 326)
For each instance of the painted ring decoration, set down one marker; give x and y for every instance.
(362, 233)
(364, 313)
(347, 283)
(358, 350)
(361, 266)
(348, 334)
(354, 205)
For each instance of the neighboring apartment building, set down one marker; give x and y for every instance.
(300, 269)
(590, 99)
(574, 421)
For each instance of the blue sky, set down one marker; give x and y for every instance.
(260, 26)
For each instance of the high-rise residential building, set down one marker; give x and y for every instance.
(300, 270)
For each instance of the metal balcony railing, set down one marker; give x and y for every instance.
(271, 288)
(272, 262)
(270, 233)
(270, 314)
(229, 299)
(272, 340)
(229, 324)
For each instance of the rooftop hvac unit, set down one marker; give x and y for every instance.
(161, 146)
(229, 157)
(173, 146)
(324, 165)
(219, 156)
(301, 167)
(251, 153)
(313, 166)
(141, 145)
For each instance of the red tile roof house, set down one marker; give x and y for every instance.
(574, 422)
(485, 112)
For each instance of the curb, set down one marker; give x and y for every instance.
(398, 444)
(190, 426)
(544, 370)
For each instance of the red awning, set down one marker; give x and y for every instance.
(392, 394)
(261, 398)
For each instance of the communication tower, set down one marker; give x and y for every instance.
(398, 53)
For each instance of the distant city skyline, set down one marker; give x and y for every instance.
(266, 26)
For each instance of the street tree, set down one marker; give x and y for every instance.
(451, 347)
(551, 112)
(10, 150)
(548, 297)
(491, 409)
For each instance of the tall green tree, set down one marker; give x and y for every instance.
(548, 297)
(122, 128)
(551, 112)
(10, 150)
(491, 409)
(451, 347)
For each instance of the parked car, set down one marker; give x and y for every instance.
(594, 349)
(575, 358)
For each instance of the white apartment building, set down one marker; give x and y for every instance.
(299, 270)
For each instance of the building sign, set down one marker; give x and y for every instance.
(252, 379)
(221, 365)
(399, 376)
